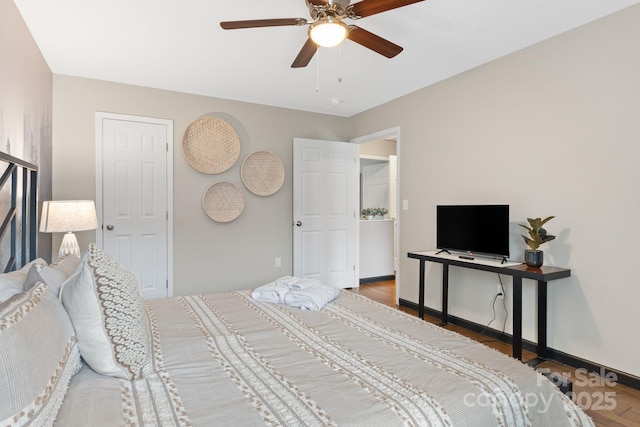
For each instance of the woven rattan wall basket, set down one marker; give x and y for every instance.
(262, 173)
(210, 145)
(223, 202)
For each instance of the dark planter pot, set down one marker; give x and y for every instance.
(533, 258)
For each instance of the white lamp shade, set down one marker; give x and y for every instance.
(328, 32)
(60, 216)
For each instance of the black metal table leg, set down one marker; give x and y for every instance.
(517, 317)
(421, 291)
(542, 319)
(445, 294)
(542, 325)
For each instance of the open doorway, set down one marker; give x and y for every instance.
(379, 189)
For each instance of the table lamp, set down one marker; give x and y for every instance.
(67, 216)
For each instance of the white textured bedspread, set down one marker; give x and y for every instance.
(227, 360)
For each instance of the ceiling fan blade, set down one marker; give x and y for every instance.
(318, 2)
(371, 7)
(257, 23)
(306, 53)
(371, 41)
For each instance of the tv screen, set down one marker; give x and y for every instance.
(481, 229)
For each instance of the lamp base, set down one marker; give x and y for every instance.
(69, 246)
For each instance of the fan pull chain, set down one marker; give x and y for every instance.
(340, 64)
(317, 69)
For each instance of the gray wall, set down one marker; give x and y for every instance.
(25, 107)
(550, 130)
(208, 256)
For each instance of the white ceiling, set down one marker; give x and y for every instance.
(179, 46)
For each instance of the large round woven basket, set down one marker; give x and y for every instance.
(223, 202)
(262, 173)
(210, 145)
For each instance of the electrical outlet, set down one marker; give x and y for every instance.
(499, 292)
(278, 261)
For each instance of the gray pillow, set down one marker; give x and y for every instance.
(54, 275)
(38, 357)
(107, 311)
(13, 282)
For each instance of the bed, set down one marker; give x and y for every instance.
(18, 208)
(80, 347)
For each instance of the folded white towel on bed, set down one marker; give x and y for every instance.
(299, 292)
(273, 292)
(297, 283)
(312, 298)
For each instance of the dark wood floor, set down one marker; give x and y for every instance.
(608, 403)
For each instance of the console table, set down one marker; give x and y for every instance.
(518, 272)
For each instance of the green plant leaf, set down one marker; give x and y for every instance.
(544, 221)
(537, 234)
(533, 245)
(547, 238)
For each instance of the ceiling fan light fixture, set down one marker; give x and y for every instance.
(328, 32)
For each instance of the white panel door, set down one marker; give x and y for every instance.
(134, 208)
(324, 211)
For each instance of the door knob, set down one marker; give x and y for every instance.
(298, 224)
(109, 227)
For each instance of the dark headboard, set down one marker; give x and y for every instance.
(21, 179)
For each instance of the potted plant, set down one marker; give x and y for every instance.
(367, 213)
(533, 257)
(379, 213)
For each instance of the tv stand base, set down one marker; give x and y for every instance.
(518, 272)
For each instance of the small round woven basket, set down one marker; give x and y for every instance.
(210, 145)
(262, 173)
(223, 202)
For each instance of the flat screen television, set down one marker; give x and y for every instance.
(474, 229)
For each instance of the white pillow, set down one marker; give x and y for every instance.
(38, 357)
(13, 282)
(107, 311)
(54, 275)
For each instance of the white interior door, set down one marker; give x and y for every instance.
(134, 203)
(325, 211)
